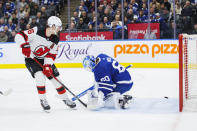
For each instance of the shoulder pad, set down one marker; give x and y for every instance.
(31, 31)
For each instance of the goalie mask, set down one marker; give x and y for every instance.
(89, 62)
(55, 21)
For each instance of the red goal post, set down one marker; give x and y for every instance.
(187, 72)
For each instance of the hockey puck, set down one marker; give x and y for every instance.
(165, 97)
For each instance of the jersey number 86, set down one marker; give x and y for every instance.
(118, 66)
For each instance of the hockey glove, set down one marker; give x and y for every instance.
(26, 49)
(47, 70)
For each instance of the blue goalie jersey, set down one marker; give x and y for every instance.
(111, 76)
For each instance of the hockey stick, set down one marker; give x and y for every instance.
(91, 88)
(84, 104)
(128, 66)
(82, 93)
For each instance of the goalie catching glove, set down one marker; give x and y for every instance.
(47, 70)
(26, 49)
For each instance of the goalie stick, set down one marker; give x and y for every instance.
(82, 93)
(91, 88)
(84, 104)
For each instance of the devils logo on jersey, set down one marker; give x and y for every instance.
(41, 50)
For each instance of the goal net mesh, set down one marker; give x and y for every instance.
(189, 72)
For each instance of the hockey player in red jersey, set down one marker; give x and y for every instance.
(40, 47)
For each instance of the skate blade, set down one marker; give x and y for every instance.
(68, 108)
(6, 93)
(72, 107)
(46, 111)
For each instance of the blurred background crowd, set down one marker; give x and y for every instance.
(99, 15)
(17, 15)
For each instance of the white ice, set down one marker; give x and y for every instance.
(149, 111)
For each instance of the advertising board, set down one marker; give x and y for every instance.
(140, 53)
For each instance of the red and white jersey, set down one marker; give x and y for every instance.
(41, 46)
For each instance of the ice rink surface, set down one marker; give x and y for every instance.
(149, 111)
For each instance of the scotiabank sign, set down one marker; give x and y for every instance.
(140, 31)
(86, 36)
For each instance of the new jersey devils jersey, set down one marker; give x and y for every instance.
(41, 46)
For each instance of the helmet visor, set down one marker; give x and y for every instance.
(88, 65)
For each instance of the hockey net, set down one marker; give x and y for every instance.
(187, 72)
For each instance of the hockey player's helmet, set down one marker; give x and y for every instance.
(54, 20)
(89, 62)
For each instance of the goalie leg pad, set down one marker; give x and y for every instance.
(95, 102)
(112, 100)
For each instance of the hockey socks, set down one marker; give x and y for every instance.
(41, 89)
(61, 90)
(62, 94)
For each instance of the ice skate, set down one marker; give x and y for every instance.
(124, 103)
(46, 107)
(6, 91)
(69, 103)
